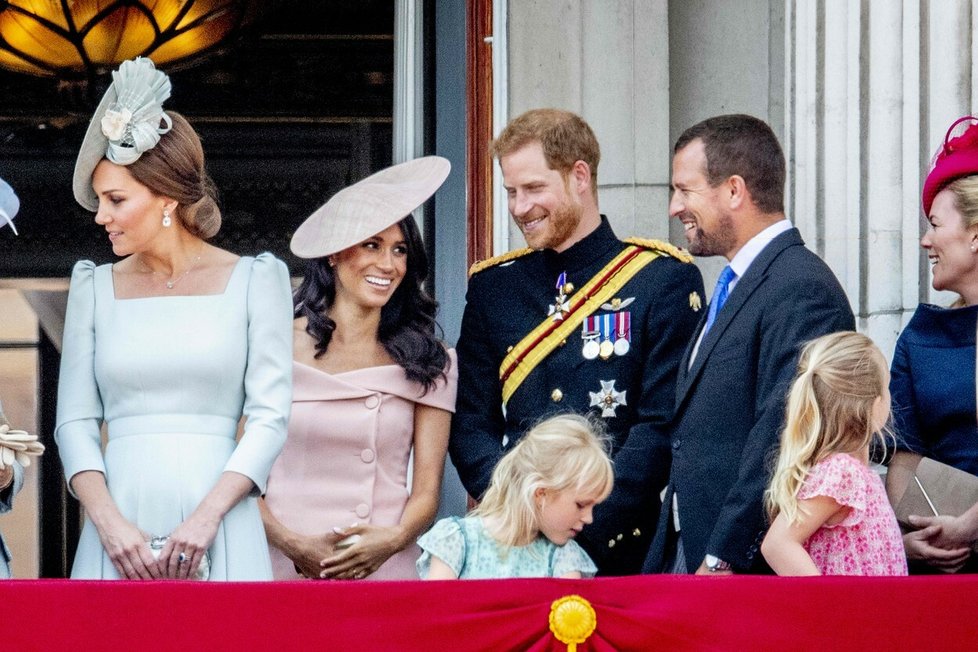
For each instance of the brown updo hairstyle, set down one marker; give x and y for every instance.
(174, 168)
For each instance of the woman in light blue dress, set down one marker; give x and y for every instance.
(169, 348)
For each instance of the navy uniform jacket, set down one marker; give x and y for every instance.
(730, 403)
(505, 302)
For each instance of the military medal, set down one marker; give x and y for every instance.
(623, 332)
(607, 347)
(561, 305)
(590, 335)
(607, 399)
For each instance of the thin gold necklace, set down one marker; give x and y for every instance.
(171, 283)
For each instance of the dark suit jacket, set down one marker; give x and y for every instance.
(730, 403)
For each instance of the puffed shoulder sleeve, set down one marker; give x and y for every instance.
(571, 557)
(445, 541)
(839, 478)
(442, 395)
(79, 415)
(268, 375)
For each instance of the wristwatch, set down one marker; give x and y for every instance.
(714, 564)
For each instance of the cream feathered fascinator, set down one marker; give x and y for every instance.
(128, 121)
(9, 205)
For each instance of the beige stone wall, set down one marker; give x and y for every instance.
(607, 60)
(860, 93)
(874, 86)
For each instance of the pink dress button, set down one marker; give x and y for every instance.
(372, 402)
(367, 455)
(363, 510)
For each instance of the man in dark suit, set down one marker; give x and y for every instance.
(579, 321)
(728, 191)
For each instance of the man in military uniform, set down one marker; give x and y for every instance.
(579, 321)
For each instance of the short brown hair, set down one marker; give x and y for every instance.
(174, 168)
(745, 146)
(565, 137)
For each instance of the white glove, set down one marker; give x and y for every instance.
(18, 445)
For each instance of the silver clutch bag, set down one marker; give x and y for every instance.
(203, 568)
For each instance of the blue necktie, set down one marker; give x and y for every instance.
(720, 293)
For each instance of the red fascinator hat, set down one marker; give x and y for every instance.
(957, 158)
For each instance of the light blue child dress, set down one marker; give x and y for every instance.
(469, 550)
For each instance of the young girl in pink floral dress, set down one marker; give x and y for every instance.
(829, 511)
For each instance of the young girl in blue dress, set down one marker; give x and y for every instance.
(541, 495)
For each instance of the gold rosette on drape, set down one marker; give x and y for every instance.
(572, 620)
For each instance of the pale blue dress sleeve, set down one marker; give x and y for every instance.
(79, 414)
(446, 541)
(6, 504)
(571, 557)
(7, 494)
(268, 376)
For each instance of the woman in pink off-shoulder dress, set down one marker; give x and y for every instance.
(372, 384)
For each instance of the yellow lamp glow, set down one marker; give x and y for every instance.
(75, 38)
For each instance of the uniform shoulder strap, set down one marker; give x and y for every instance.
(497, 260)
(662, 247)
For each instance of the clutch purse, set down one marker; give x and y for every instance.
(936, 489)
(203, 568)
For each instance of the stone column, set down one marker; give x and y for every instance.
(872, 88)
(607, 60)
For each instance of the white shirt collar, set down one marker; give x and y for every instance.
(742, 259)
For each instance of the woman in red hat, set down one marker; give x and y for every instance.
(933, 374)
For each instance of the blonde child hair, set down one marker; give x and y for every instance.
(829, 410)
(558, 453)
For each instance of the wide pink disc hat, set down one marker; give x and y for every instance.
(369, 206)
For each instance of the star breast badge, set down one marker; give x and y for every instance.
(607, 399)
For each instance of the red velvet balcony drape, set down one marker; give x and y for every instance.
(640, 613)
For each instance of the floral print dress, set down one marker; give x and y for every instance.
(868, 540)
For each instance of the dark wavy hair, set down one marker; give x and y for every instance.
(407, 322)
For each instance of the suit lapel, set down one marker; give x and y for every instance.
(756, 274)
(684, 364)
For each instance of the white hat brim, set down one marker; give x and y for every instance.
(92, 151)
(369, 206)
(5, 220)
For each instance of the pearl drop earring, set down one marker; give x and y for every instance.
(166, 218)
